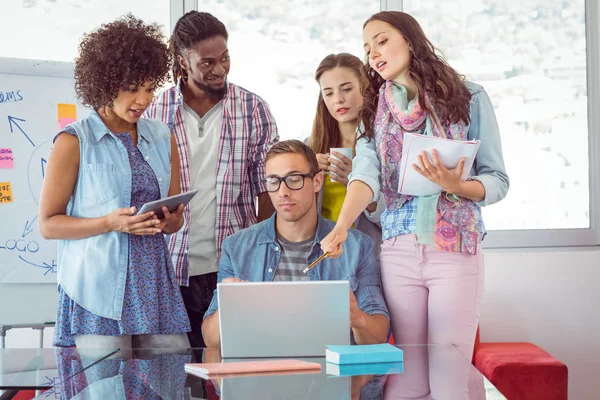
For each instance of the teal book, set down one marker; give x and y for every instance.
(387, 368)
(364, 354)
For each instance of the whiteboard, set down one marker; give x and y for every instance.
(32, 94)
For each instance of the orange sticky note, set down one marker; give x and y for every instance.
(5, 193)
(67, 111)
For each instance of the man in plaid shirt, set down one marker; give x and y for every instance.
(223, 133)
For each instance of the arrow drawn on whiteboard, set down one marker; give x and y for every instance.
(46, 266)
(12, 121)
(54, 385)
(27, 229)
(50, 381)
(44, 162)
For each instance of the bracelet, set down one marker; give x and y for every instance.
(454, 198)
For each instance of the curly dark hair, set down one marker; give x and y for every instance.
(117, 55)
(429, 71)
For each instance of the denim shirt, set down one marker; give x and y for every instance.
(253, 254)
(92, 271)
(488, 167)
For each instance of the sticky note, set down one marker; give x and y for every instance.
(6, 158)
(5, 193)
(62, 122)
(67, 111)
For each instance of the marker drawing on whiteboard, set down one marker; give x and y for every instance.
(28, 227)
(10, 97)
(44, 162)
(55, 386)
(21, 245)
(46, 266)
(13, 121)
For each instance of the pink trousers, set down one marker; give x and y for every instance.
(433, 297)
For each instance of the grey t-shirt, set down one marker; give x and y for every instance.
(294, 256)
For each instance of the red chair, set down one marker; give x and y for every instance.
(521, 371)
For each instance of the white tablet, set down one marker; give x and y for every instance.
(171, 202)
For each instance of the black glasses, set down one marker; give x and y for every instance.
(293, 182)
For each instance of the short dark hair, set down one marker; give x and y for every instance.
(190, 29)
(294, 147)
(117, 55)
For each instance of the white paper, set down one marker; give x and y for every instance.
(410, 182)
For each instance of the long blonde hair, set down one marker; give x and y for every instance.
(326, 132)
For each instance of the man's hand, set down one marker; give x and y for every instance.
(232, 280)
(210, 325)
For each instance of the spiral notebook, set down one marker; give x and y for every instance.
(410, 182)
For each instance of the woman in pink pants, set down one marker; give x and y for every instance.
(431, 259)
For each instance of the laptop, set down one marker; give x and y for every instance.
(283, 319)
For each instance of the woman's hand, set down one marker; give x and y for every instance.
(124, 220)
(323, 160)
(332, 243)
(341, 169)
(448, 179)
(172, 222)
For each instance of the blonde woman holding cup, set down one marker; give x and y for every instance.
(341, 79)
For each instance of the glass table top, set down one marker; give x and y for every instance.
(428, 372)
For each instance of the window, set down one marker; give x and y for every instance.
(51, 29)
(531, 57)
(276, 47)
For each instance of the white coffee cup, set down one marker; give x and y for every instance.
(346, 151)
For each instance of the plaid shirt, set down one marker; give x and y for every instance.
(403, 221)
(248, 131)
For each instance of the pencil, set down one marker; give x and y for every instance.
(311, 266)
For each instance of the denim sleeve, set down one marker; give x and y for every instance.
(369, 295)
(366, 165)
(225, 271)
(488, 167)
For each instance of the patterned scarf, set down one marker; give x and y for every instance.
(449, 223)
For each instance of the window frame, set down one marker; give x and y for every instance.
(539, 238)
(532, 238)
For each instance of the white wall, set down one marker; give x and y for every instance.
(550, 298)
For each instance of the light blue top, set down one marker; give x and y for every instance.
(93, 271)
(253, 254)
(488, 167)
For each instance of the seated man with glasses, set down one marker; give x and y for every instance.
(280, 248)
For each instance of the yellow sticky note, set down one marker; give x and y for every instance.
(5, 193)
(67, 111)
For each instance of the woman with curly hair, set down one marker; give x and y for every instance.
(341, 80)
(431, 258)
(116, 283)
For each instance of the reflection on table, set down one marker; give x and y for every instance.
(429, 372)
